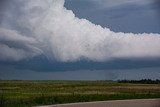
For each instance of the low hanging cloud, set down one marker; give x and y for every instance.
(31, 28)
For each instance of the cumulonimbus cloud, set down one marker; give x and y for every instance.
(48, 28)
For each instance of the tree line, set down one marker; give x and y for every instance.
(143, 81)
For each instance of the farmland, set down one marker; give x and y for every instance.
(31, 93)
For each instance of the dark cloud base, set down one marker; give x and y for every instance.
(42, 64)
(144, 73)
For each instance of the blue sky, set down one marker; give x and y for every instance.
(120, 17)
(23, 56)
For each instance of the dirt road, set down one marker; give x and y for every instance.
(117, 103)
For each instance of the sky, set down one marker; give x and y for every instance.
(79, 39)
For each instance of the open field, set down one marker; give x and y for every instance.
(31, 93)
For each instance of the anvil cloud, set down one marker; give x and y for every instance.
(45, 27)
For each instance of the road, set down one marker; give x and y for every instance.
(116, 103)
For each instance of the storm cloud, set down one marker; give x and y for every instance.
(31, 28)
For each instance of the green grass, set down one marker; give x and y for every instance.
(31, 93)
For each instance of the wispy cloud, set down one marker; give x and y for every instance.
(114, 3)
(47, 27)
(14, 46)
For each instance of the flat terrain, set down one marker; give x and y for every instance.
(32, 93)
(117, 103)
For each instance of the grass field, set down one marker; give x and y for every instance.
(31, 93)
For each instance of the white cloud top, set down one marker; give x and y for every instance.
(47, 27)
